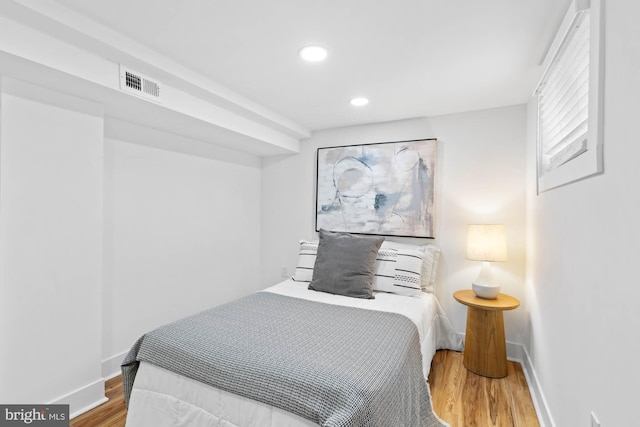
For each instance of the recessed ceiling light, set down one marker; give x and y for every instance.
(359, 102)
(313, 53)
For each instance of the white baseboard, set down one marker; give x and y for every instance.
(111, 366)
(518, 353)
(84, 398)
(92, 395)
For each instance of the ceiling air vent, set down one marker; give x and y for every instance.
(139, 84)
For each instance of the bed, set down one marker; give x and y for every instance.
(291, 356)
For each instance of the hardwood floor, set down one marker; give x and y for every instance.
(461, 398)
(464, 399)
(110, 414)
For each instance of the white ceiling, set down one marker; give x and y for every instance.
(411, 58)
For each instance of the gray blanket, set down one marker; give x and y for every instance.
(335, 366)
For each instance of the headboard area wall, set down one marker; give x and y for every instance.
(480, 178)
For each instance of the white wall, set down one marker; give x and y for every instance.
(480, 178)
(103, 239)
(583, 246)
(50, 247)
(182, 232)
(43, 43)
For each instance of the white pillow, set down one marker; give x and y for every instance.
(392, 273)
(429, 262)
(430, 267)
(408, 279)
(384, 270)
(306, 261)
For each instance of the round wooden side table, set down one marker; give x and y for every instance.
(485, 349)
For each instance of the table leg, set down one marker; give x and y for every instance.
(485, 351)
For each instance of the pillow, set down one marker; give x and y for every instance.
(384, 272)
(384, 269)
(430, 260)
(344, 264)
(408, 279)
(404, 268)
(306, 261)
(430, 267)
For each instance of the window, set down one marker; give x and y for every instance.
(569, 100)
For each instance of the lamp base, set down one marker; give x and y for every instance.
(485, 286)
(485, 291)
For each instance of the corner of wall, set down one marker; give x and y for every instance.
(84, 398)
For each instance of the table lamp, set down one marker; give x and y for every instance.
(486, 243)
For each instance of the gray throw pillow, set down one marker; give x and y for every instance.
(344, 264)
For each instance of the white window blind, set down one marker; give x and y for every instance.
(569, 100)
(563, 99)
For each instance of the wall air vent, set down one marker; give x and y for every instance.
(139, 84)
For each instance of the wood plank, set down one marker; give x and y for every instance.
(521, 396)
(445, 380)
(112, 413)
(464, 399)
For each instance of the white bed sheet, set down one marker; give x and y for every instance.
(163, 398)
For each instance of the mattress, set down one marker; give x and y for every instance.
(163, 398)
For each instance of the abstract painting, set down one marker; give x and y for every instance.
(383, 188)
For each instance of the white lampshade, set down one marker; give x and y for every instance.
(486, 242)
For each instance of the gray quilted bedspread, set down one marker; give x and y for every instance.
(333, 365)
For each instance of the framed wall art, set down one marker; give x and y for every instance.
(383, 188)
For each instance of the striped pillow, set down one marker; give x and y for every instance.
(408, 279)
(384, 271)
(429, 261)
(397, 270)
(306, 261)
